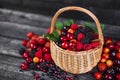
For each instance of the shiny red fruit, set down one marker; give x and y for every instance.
(24, 42)
(63, 38)
(41, 41)
(111, 46)
(118, 56)
(33, 46)
(118, 76)
(102, 66)
(108, 41)
(97, 75)
(29, 60)
(72, 45)
(65, 45)
(47, 44)
(45, 50)
(25, 55)
(80, 36)
(24, 66)
(70, 31)
(30, 35)
(106, 55)
(103, 59)
(106, 50)
(108, 77)
(70, 36)
(109, 63)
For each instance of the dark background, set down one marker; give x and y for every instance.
(108, 11)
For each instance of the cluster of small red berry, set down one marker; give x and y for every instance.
(36, 53)
(109, 65)
(76, 38)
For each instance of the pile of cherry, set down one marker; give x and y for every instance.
(109, 65)
(36, 53)
(76, 38)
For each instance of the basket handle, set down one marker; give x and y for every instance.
(80, 9)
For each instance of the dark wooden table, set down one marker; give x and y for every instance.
(14, 26)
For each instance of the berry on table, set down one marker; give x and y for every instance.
(36, 60)
(24, 42)
(24, 66)
(65, 45)
(30, 35)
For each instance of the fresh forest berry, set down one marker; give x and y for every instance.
(74, 26)
(63, 38)
(24, 42)
(45, 50)
(72, 45)
(24, 66)
(36, 60)
(95, 44)
(97, 75)
(80, 36)
(70, 31)
(87, 46)
(47, 57)
(47, 44)
(70, 36)
(79, 46)
(65, 45)
(30, 35)
(29, 60)
(38, 54)
(25, 55)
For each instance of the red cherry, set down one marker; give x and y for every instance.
(95, 44)
(41, 41)
(70, 36)
(24, 66)
(106, 50)
(30, 35)
(24, 42)
(33, 46)
(74, 26)
(118, 56)
(25, 55)
(108, 77)
(65, 45)
(111, 46)
(108, 40)
(63, 38)
(47, 44)
(38, 54)
(87, 46)
(35, 37)
(39, 49)
(97, 75)
(102, 66)
(72, 45)
(118, 76)
(45, 50)
(29, 60)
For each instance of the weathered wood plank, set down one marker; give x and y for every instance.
(18, 30)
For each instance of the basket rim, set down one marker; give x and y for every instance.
(76, 52)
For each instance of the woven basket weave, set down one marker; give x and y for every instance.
(73, 61)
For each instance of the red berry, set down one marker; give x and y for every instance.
(25, 55)
(70, 31)
(80, 36)
(35, 37)
(97, 75)
(47, 44)
(41, 41)
(70, 36)
(87, 46)
(47, 57)
(29, 60)
(45, 50)
(95, 36)
(79, 46)
(65, 45)
(118, 56)
(95, 44)
(102, 66)
(74, 26)
(33, 46)
(118, 43)
(38, 54)
(108, 40)
(108, 77)
(63, 38)
(111, 46)
(30, 35)
(118, 76)
(72, 45)
(24, 66)
(24, 42)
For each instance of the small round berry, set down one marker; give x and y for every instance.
(65, 45)
(24, 42)
(24, 66)
(70, 31)
(30, 35)
(70, 36)
(63, 38)
(25, 55)
(74, 26)
(45, 50)
(36, 60)
(29, 60)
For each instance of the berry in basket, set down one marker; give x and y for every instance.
(71, 36)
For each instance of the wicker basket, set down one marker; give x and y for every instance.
(73, 61)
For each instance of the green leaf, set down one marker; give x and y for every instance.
(59, 25)
(68, 22)
(56, 34)
(89, 24)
